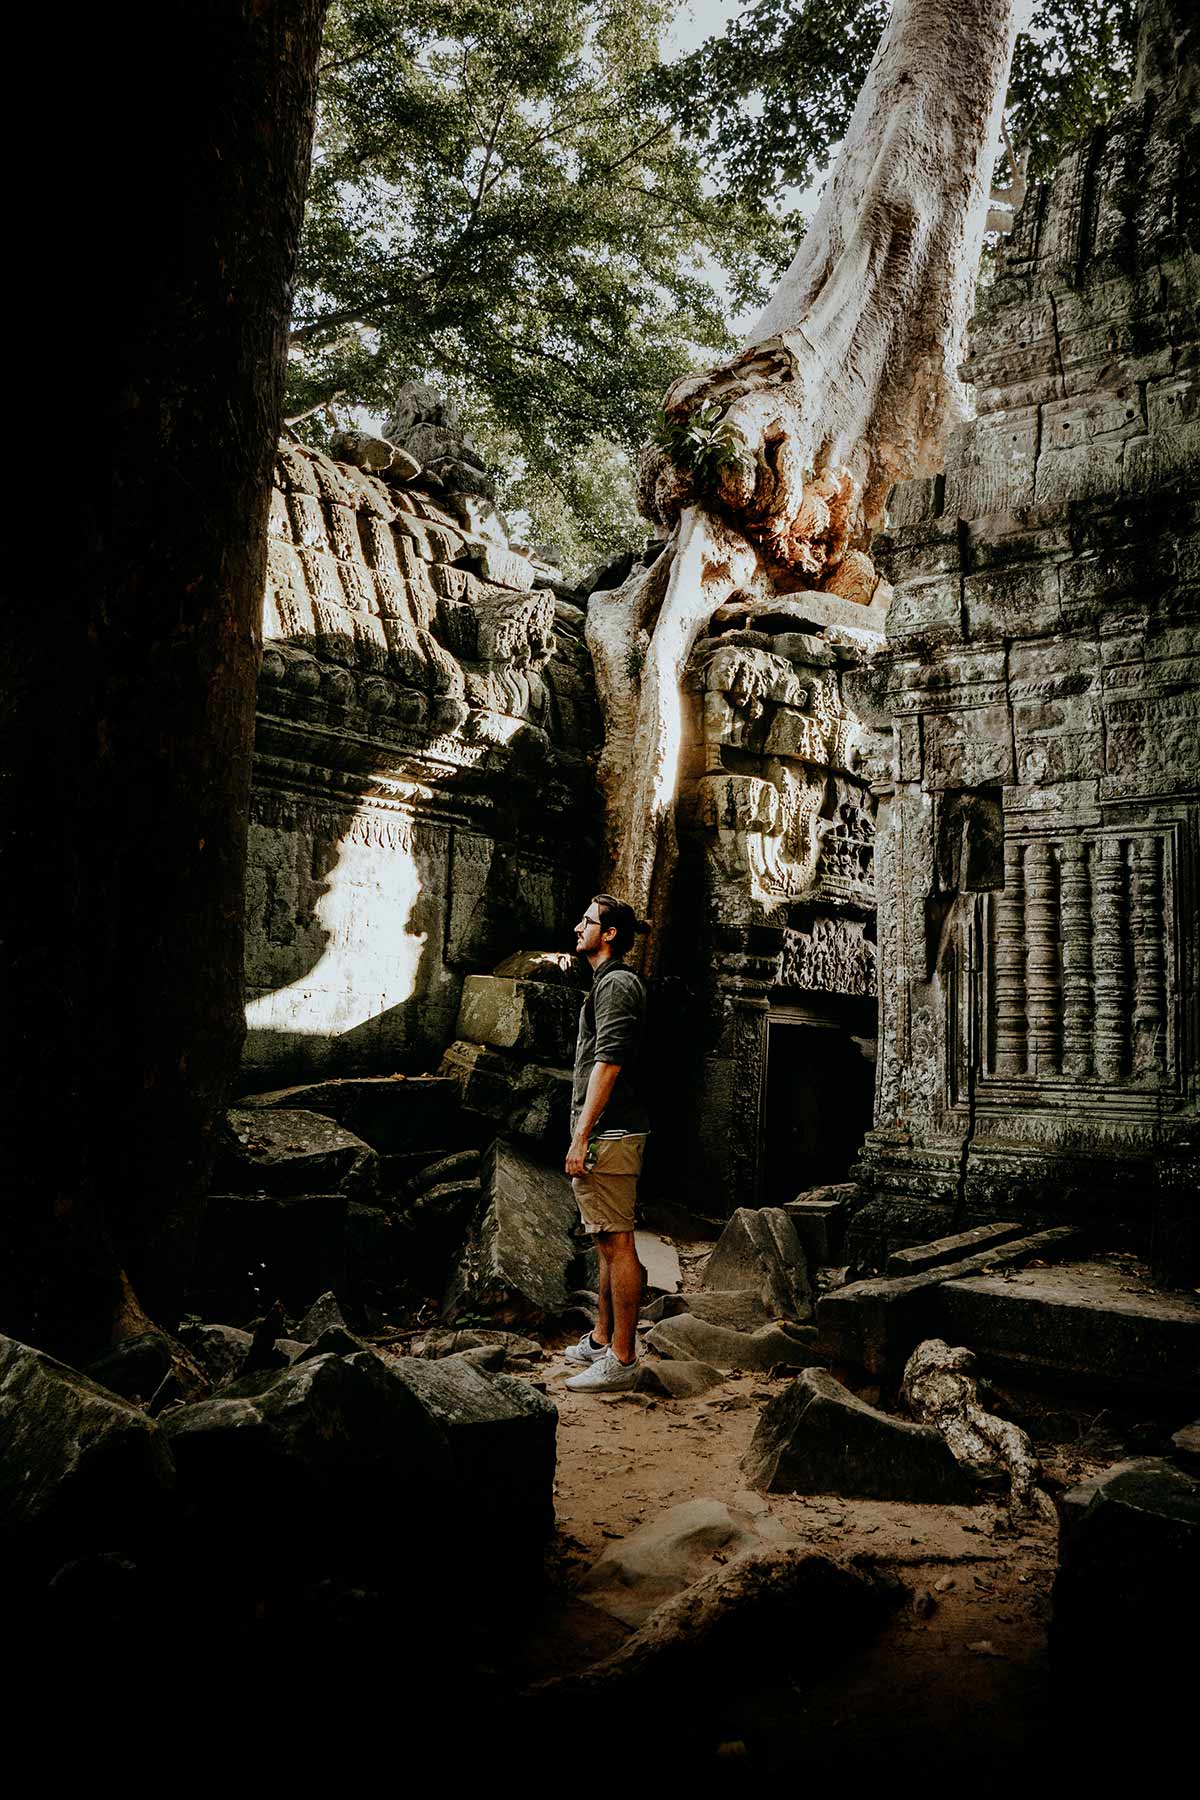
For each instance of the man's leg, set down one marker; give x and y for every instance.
(602, 1330)
(621, 1284)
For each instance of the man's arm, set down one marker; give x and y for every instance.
(601, 1082)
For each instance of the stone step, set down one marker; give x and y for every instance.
(1080, 1322)
(875, 1324)
(952, 1249)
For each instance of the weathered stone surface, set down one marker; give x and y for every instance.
(876, 1323)
(502, 1437)
(392, 1113)
(82, 1469)
(332, 1459)
(819, 1220)
(436, 1344)
(1185, 1445)
(1041, 683)
(325, 1314)
(516, 1264)
(677, 1379)
(1078, 1321)
(219, 1349)
(531, 1100)
(692, 1339)
(291, 1151)
(134, 1367)
(662, 1557)
(738, 1311)
(759, 1253)
(916, 1257)
(508, 1014)
(557, 968)
(818, 1438)
(1128, 1572)
(733, 1619)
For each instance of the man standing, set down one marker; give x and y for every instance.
(608, 1138)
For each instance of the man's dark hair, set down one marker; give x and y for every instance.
(615, 914)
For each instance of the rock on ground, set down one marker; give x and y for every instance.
(759, 1253)
(291, 1151)
(395, 1114)
(818, 1438)
(515, 1265)
(691, 1339)
(677, 1380)
(1128, 1579)
(82, 1469)
(635, 1575)
(770, 1609)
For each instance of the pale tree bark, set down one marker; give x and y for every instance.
(847, 383)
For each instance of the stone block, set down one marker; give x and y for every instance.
(990, 464)
(530, 1016)
(927, 611)
(759, 1253)
(83, 1470)
(1128, 1574)
(1012, 603)
(677, 1380)
(395, 1114)
(1067, 1322)
(819, 1219)
(559, 968)
(502, 1434)
(332, 1460)
(294, 1151)
(516, 1263)
(819, 1438)
(660, 1259)
(968, 749)
(502, 566)
(531, 1100)
(951, 1249)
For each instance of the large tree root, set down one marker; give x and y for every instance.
(940, 1391)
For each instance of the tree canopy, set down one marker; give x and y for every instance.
(501, 204)
(521, 203)
(770, 99)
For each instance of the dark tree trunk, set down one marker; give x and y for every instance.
(133, 714)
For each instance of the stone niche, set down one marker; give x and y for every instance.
(421, 797)
(767, 1012)
(1037, 833)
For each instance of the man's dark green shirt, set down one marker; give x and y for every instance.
(611, 1022)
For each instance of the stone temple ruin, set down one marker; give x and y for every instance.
(924, 1035)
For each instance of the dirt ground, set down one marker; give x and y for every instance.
(957, 1681)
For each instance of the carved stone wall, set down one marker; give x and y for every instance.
(422, 802)
(1038, 830)
(774, 908)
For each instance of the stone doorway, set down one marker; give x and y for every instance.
(819, 1098)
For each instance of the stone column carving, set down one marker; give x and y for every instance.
(1110, 901)
(1011, 1029)
(1149, 960)
(1042, 980)
(1076, 902)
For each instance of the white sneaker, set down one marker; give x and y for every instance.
(585, 1351)
(607, 1376)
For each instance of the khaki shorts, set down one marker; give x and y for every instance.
(607, 1193)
